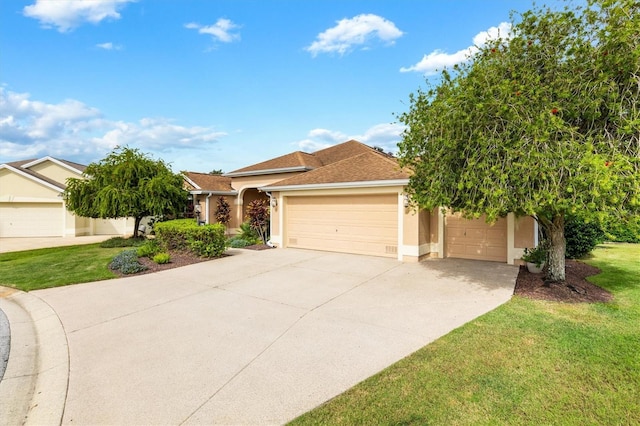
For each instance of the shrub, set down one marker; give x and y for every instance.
(162, 258)
(223, 211)
(127, 262)
(239, 242)
(122, 242)
(149, 249)
(581, 236)
(258, 215)
(626, 230)
(248, 234)
(186, 234)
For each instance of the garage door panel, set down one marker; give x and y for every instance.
(31, 220)
(351, 224)
(475, 239)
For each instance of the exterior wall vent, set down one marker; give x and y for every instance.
(391, 249)
(293, 241)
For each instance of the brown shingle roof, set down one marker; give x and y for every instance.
(367, 166)
(296, 159)
(341, 151)
(207, 182)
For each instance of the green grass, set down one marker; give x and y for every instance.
(527, 362)
(54, 267)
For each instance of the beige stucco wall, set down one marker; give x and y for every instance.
(15, 187)
(433, 226)
(524, 232)
(54, 171)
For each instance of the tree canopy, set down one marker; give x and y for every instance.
(126, 183)
(544, 121)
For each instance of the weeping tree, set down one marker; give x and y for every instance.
(127, 183)
(544, 121)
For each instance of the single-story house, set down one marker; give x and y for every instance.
(351, 198)
(31, 204)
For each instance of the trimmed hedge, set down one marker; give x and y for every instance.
(186, 234)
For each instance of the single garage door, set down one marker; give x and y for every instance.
(31, 220)
(475, 239)
(361, 224)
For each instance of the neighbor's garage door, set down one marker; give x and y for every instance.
(31, 220)
(475, 239)
(361, 224)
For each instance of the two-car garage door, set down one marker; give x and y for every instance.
(361, 224)
(368, 224)
(31, 220)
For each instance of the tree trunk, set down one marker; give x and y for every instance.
(136, 226)
(557, 248)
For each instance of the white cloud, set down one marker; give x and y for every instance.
(69, 14)
(357, 31)
(109, 46)
(220, 31)
(77, 132)
(437, 60)
(385, 136)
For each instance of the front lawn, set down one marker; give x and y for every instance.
(527, 362)
(54, 267)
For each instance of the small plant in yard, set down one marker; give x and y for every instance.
(149, 249)
(537, 255)
(127, 262)
(162, 258)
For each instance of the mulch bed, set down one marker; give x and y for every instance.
(179, 259)
(576, 288)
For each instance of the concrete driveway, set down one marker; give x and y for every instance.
(258, 337)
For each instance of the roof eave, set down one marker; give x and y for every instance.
(53, 160)
(338, 185)
(207, 192)
(269, 171)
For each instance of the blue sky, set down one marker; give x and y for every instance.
(217, 84)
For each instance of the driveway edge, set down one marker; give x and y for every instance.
(34, 387)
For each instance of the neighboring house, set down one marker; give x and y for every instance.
(351, 198)
(31, 204)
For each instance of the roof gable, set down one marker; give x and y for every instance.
(208, 183)
(366, 167)
(294, 162)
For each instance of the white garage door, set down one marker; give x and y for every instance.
(361, 224)
(475, 239)
(31, 220)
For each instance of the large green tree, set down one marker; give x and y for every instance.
(127, 183)
(544, 121)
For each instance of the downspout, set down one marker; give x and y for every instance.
(269, 243)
